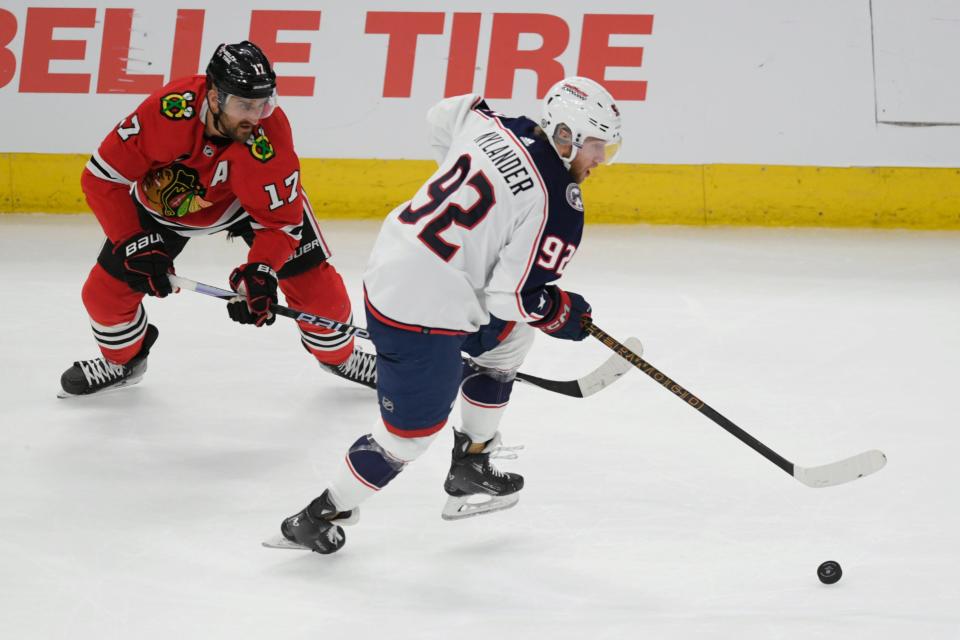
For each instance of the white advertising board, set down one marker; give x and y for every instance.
(698, 81)
(917, 50)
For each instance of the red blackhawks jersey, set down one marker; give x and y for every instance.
(196, 185)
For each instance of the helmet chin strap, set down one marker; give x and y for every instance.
(216, 115)
(567, 160)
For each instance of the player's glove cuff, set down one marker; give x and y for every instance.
(565, 317)
(258, 282)
(146, 263)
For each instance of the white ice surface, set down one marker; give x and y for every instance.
(139, 514)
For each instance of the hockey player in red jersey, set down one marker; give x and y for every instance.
(469, 265)
(206, 154)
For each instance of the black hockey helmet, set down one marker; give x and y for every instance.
(242, 70)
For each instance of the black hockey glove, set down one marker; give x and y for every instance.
(146, 264)
(258, 282)
(564, 318)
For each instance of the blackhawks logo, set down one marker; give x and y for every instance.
(175, 191)
(176, 106)
(260, 147)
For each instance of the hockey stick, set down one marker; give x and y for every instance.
(601, 377)
(826, 475)
(277, 309)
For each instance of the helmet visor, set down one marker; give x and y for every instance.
(254, 109)
(603, 151)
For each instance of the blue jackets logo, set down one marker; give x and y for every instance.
(574, 196)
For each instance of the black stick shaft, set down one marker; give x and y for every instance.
(692, 400)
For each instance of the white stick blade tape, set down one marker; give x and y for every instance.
(611, 370)
(842, 471)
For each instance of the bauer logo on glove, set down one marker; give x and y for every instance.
(146, 263)
(142, 242)
(258, 281)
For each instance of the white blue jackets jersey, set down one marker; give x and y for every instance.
(499, 219)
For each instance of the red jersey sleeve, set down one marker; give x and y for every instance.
(141, 140)
(268, 187)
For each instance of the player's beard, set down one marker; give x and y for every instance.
(579, 174)
(580, 171)
(239, 132)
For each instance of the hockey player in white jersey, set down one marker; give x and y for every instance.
(468, 265)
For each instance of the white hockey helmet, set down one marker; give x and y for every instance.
(587, 110)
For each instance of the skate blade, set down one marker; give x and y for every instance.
(279, 542)
(129, 382)
(460, 507)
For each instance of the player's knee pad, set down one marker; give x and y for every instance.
(107, 299)
(488, 380)
(373, 464)
(487, 387)
(319, 290)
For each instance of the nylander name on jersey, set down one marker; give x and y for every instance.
(499, 220)
(505, 158)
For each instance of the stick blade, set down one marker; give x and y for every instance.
(610, 371)
(600, 378)
(848, 470)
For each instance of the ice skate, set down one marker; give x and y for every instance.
(360, 367)
(474, 485)
(316, 528)
(87, 377)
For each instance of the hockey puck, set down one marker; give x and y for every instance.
(829, 572)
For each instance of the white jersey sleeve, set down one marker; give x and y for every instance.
(447, 119)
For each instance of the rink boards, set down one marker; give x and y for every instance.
(718, 194)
